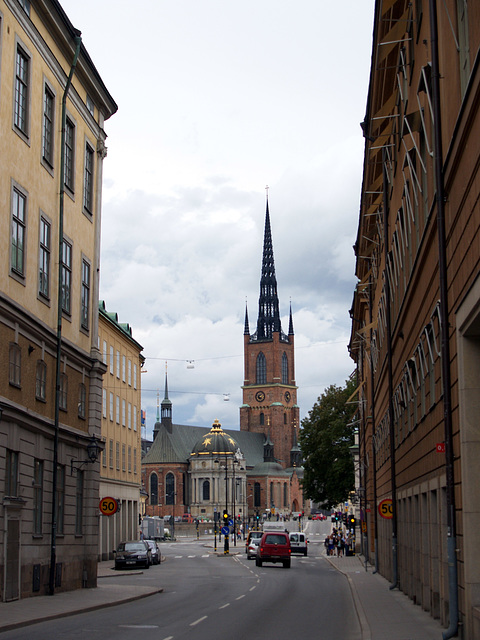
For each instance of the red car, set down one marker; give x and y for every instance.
(274, 547)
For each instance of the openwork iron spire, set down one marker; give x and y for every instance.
(268, 310)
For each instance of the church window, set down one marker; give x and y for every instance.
(256, 495)
(170, 489)
(261, 377)
(284, 368)
(285, 494)
(153, 489)
(262, 418)
(206, 490)
(284, 418)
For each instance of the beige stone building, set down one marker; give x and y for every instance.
(120, 471)
(48, 492)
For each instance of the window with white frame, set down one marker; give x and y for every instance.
(111, 407)
(44, 258)
(134, 460)
(117, 456)
(88, 179)
(118, 365)
(11, 473)
(134, 418)
(66, 277)
(104, 392)
(82, 401)
(63, 391)
(15, 362)
(69, 156)
(41, 381)
(117, 406)
(129, 373)
(129, 415)
(85, 303)
(105, 352)
(111, 359)
(19, 228)
(48, 125)
(134, 376)
(21, 96)
(110, 454)
(124, 411)
(124, 366)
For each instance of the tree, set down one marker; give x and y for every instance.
(325, 440)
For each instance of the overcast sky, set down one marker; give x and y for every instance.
(216, 100)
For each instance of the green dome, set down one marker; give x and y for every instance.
(215, 442)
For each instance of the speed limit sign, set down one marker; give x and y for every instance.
(108, 506)
(385, 509)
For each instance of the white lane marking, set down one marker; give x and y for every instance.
(205, 555)
(240, 597)
(138, 626)
(252, 588)
(168, 638)
(192, 624)
(178, 556)
(224, 606)
(191, 556)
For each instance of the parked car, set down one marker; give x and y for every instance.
(298, 542)
(154, 550)
(274, 547)
(134, 553)
(250, 536)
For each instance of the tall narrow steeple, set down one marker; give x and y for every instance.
(167, 406)
(246, 330)
(268, 309)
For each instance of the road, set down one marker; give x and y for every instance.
(210, 596)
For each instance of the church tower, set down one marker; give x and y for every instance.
(269, 389)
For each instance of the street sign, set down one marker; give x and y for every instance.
(385, 509)
(230, 522)
(440, 447)
(225, 531)
(108, 506)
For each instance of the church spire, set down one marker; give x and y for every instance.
(290, 324)
(268, 310)
(246, 330)
(167, 406)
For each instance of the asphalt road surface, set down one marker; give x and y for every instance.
(208, 597)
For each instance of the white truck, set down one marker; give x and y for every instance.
(153, 528)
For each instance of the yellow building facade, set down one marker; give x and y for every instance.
(120, 471)
(49, 270)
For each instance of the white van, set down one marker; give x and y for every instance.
(298, 542)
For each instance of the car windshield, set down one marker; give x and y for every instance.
(275, 539)
(131, 546)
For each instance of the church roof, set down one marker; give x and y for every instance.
(176, 447)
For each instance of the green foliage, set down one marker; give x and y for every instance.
(325, 440)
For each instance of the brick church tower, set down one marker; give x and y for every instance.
(269, 389)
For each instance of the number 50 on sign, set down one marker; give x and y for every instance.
(385, 509)
(108, 506)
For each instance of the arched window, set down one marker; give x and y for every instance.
(285, 494)
(284, 368)
(153, 489)
(169, 488)
(284, 418)
(206, 490)
(261, 377)
(262, 418)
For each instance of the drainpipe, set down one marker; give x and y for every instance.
(393, 479)
(444, 329)
(53, 544)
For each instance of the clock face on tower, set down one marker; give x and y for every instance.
(259, 396)
(288, 397)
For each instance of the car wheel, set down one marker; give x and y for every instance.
(305, 554)
(286, 564)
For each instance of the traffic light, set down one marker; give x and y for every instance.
(351, 521)
(225, 517)
(344, 518)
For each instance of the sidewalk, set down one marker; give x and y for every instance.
(41, 608)
(383, 613)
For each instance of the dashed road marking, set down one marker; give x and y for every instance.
(192, 624)
(224, 606)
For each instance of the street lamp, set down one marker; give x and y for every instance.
(94, 449)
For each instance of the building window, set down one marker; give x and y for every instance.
(104, 457)
(135, 460)
(63, 391)
(129, 459)
(69, 159)
(261, 373)
(104, 352)
(124, 366)
(170, 489)
(88, 179)
(90, 105)
(85, 294)
(256, 495)
(60, 497)
(206, 491)
(19, 222)
(15, 362)
(104, 398)
(118, 365)
(117, 408)
(284, 368)
(123, 457)
(111, 360)
(110, 454)
(111, 406)
(25, 4)
(285, 494)
(79, 504)
(66, 276)
(22, 70)
(37, 496)
(117, 456)
(41, 381)
(82, 401)
(134, 376)
(153, 489)
(48, 114)
(44, 259)
(134, 418)
(124, 411)
(262, 418)
(129, 373)
(11, 473)
(129, 415)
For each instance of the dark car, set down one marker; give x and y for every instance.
(274, 547)
(134, 553)
(154, 550)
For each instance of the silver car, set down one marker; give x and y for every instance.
(155, 551)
